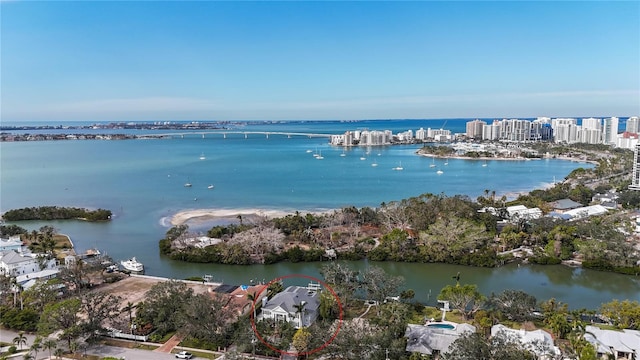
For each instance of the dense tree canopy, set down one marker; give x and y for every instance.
(56, 213)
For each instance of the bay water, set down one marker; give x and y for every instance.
(142, 182)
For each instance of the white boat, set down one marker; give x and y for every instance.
(132, 265)
(210, 187)
(202, 157)
(398, 168)
(309, 151)
(374, 164)
(187, 184)
(439, 172)
(320, 157)
(484, 164)
(433, 162)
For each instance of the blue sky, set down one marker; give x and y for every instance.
(206, 60)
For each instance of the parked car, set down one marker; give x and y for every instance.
(184, 355)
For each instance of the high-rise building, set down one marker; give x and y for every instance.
(635, 176)
(592, 123)
(610, 130)
(421, 134)
(491, 132)
(633, 125)
(474, 129)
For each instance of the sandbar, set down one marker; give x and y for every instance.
(203, 215)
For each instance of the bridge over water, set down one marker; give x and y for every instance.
(224, 134)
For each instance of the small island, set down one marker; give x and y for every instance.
(56, 213)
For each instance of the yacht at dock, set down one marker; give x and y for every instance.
(132, 265)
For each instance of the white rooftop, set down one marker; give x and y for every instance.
(626, 340)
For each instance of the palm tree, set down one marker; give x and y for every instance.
(50, 344)
(274, 288)
(58, 353)
(457, 277)
(252, 297)
(20, 339)
(35, 347)
(130, 306)
(299, 312)
(28, 356)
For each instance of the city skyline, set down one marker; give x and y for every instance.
(154, 61)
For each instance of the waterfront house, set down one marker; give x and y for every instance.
(434, 340)
(623, 344)
(538, 341)
(13, 263)
(239, 302)
(296, 305)
(11, 243)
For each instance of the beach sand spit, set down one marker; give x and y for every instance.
(224, 214)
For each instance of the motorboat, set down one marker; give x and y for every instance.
(202, 157)
(439, 172)
(132, 265)
(210, 187)
(187, 184)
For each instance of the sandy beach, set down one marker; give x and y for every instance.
(204, 215)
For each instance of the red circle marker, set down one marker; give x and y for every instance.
(257, 296)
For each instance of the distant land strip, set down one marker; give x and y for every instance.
(56, 213)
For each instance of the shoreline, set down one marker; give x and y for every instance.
(205, 215)
(488, 158)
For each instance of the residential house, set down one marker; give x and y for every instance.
(432, 340)
(623, 344)
(239, 301)
(11, 243)
(296, 305)
(609, 200)
(587, 211)
(13, 263)
(563, 205)
(538, 341)
(521, 212)
(28, 280)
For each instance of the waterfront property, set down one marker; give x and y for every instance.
(623, 344)
(239, 299)
(13, 263)
(538, 341)
(11, 243)
(433, 340)
(296, 305)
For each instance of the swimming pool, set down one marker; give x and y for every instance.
(442, 326)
